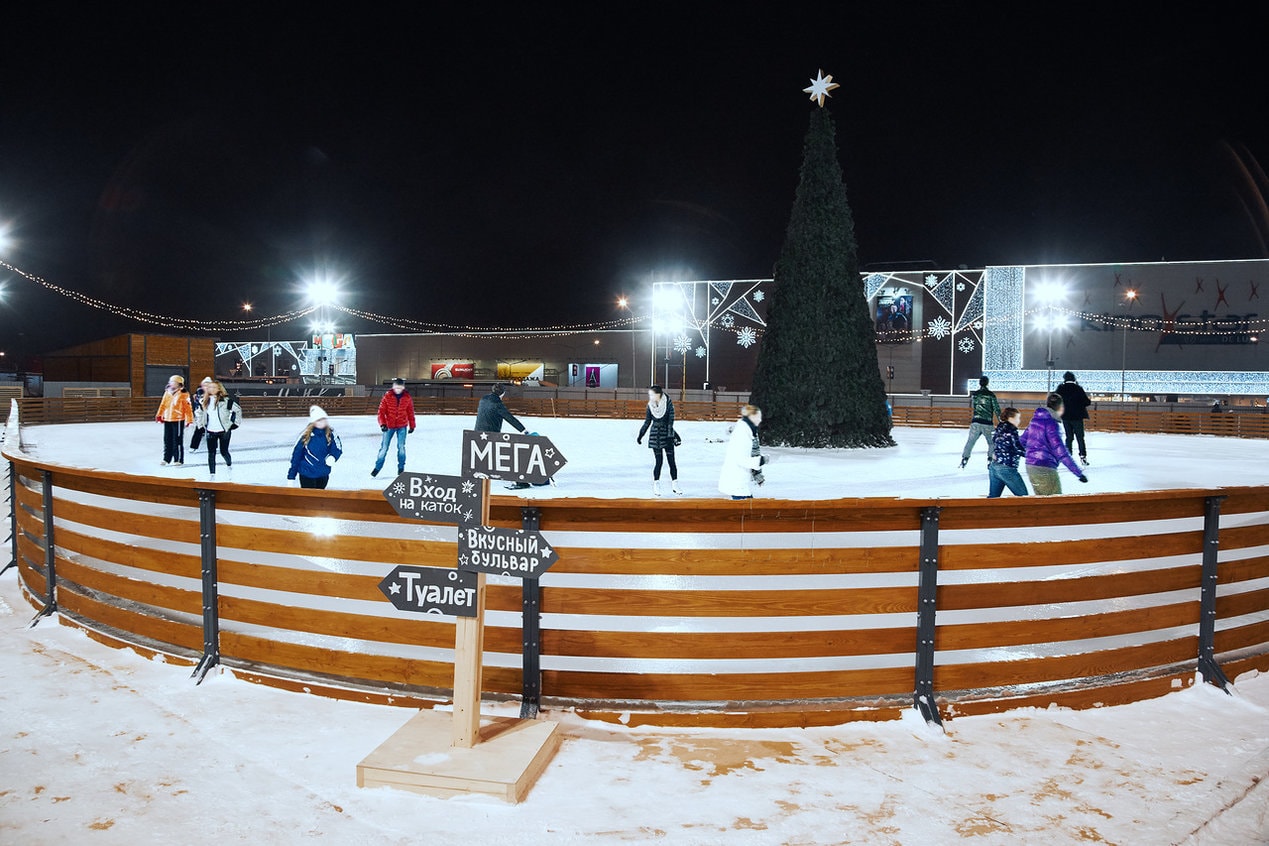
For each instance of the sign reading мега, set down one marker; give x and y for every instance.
(437, 499)
(431, 590)
(518, 458)
(507, 552)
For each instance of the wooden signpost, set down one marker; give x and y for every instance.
(505, 756)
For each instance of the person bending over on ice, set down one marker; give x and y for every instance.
(1002, 471)
(1045, 450)
(315, 452)
(985, 409)
(396, 420)
(491, 412)
(742, 463)
(658, 424)
(174, 413)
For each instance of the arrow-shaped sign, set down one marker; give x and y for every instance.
(532, 459)
(431, 590)
(436, 499)
(506, 552)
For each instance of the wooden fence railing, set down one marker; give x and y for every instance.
(675, 612)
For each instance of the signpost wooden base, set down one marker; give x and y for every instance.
(420, 757)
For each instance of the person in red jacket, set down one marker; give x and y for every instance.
(396, 418)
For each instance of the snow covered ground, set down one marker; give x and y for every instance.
(605, 461)
(103, 746)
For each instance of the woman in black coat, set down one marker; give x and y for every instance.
(658, 424)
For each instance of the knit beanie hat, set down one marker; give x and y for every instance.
(180, 380)
(315, 413)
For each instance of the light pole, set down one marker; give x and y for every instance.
(1131, 296)
(623, 302)
(1049, 294)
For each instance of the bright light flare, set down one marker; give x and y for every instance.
(1048, 293)
(622, 302)
(665, 297)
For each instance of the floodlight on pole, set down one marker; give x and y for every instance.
(1130, 297)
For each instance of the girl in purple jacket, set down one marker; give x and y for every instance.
(1046, 449)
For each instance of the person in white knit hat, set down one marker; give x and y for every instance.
(315, 452)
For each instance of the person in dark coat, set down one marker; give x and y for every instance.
(658, 424)
(491, 412)
(1002, 472)
(1076, 402)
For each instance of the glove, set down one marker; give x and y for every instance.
(533, 434)
(639, 439)
(1083, 478)
(678, 441)
(330, 461)
(411, 432)
(382, 428)
(158, 418)
(762, 459)
(292, 483)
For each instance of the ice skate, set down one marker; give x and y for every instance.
(374, 472)
(656, 488)
(964, 461)
(1084, 460)
(674, 486)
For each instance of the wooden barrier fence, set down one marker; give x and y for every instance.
(696, 612)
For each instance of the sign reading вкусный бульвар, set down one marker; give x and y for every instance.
(505, 552)
(431, 590)
(436, 499)
(532, 459)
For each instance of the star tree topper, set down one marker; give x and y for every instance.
(820, 86)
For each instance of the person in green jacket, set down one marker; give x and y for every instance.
(985, 410)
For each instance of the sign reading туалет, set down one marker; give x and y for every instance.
(436, 499)
(506, 552)
(518, 458)
(431, 590)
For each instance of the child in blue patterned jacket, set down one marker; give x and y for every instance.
(1006, 450)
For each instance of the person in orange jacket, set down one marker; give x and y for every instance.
(175, 412)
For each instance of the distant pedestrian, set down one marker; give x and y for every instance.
(1002, 471)
(217, 415)
(743, 461)
(1077, 403)
(1045, 450)
(658, 424)
(491, 412)
(396, 419)
(175, 413)
(985, 409)
(316, 451)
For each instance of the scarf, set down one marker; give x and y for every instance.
(754, 452)
(658, 408)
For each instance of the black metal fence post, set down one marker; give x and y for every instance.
(531, 626)
(13, 518)
(211, 595)
(50, 557)
(1207, 666)
(927, 606)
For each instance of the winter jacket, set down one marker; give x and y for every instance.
(175, 408)
(739, 462)
(1075, 400)
(984, 406)
(397, 410)
(1044, 443)
(227, 412)
(490, 414)
(661, 435)
(1006, 448)
(310, 459)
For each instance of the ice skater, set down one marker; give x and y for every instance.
(175, 412)
(743, 461)
(1002, 470)
(1045, 450)
(491, 412)
(1076, 401)
(316, 451)
(216, 415)
(658, 424)
(985, 410)
(396, 420)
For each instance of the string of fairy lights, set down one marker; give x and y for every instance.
(1213, 325)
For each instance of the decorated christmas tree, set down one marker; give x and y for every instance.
(817, 380)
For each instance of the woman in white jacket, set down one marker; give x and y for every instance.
(743, 461)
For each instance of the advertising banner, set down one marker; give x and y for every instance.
(453, 370)
(521, 371)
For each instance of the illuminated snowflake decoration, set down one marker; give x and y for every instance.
(758, 296)
(682, 344)
(398, 488)
(965, 344)
(727, 321)
(700, 352)
(714, 301)
(939, 328)
(747, 337)
(978, 324)
(960, 286)
(931, 281)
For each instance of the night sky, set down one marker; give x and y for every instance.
(520, 169)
